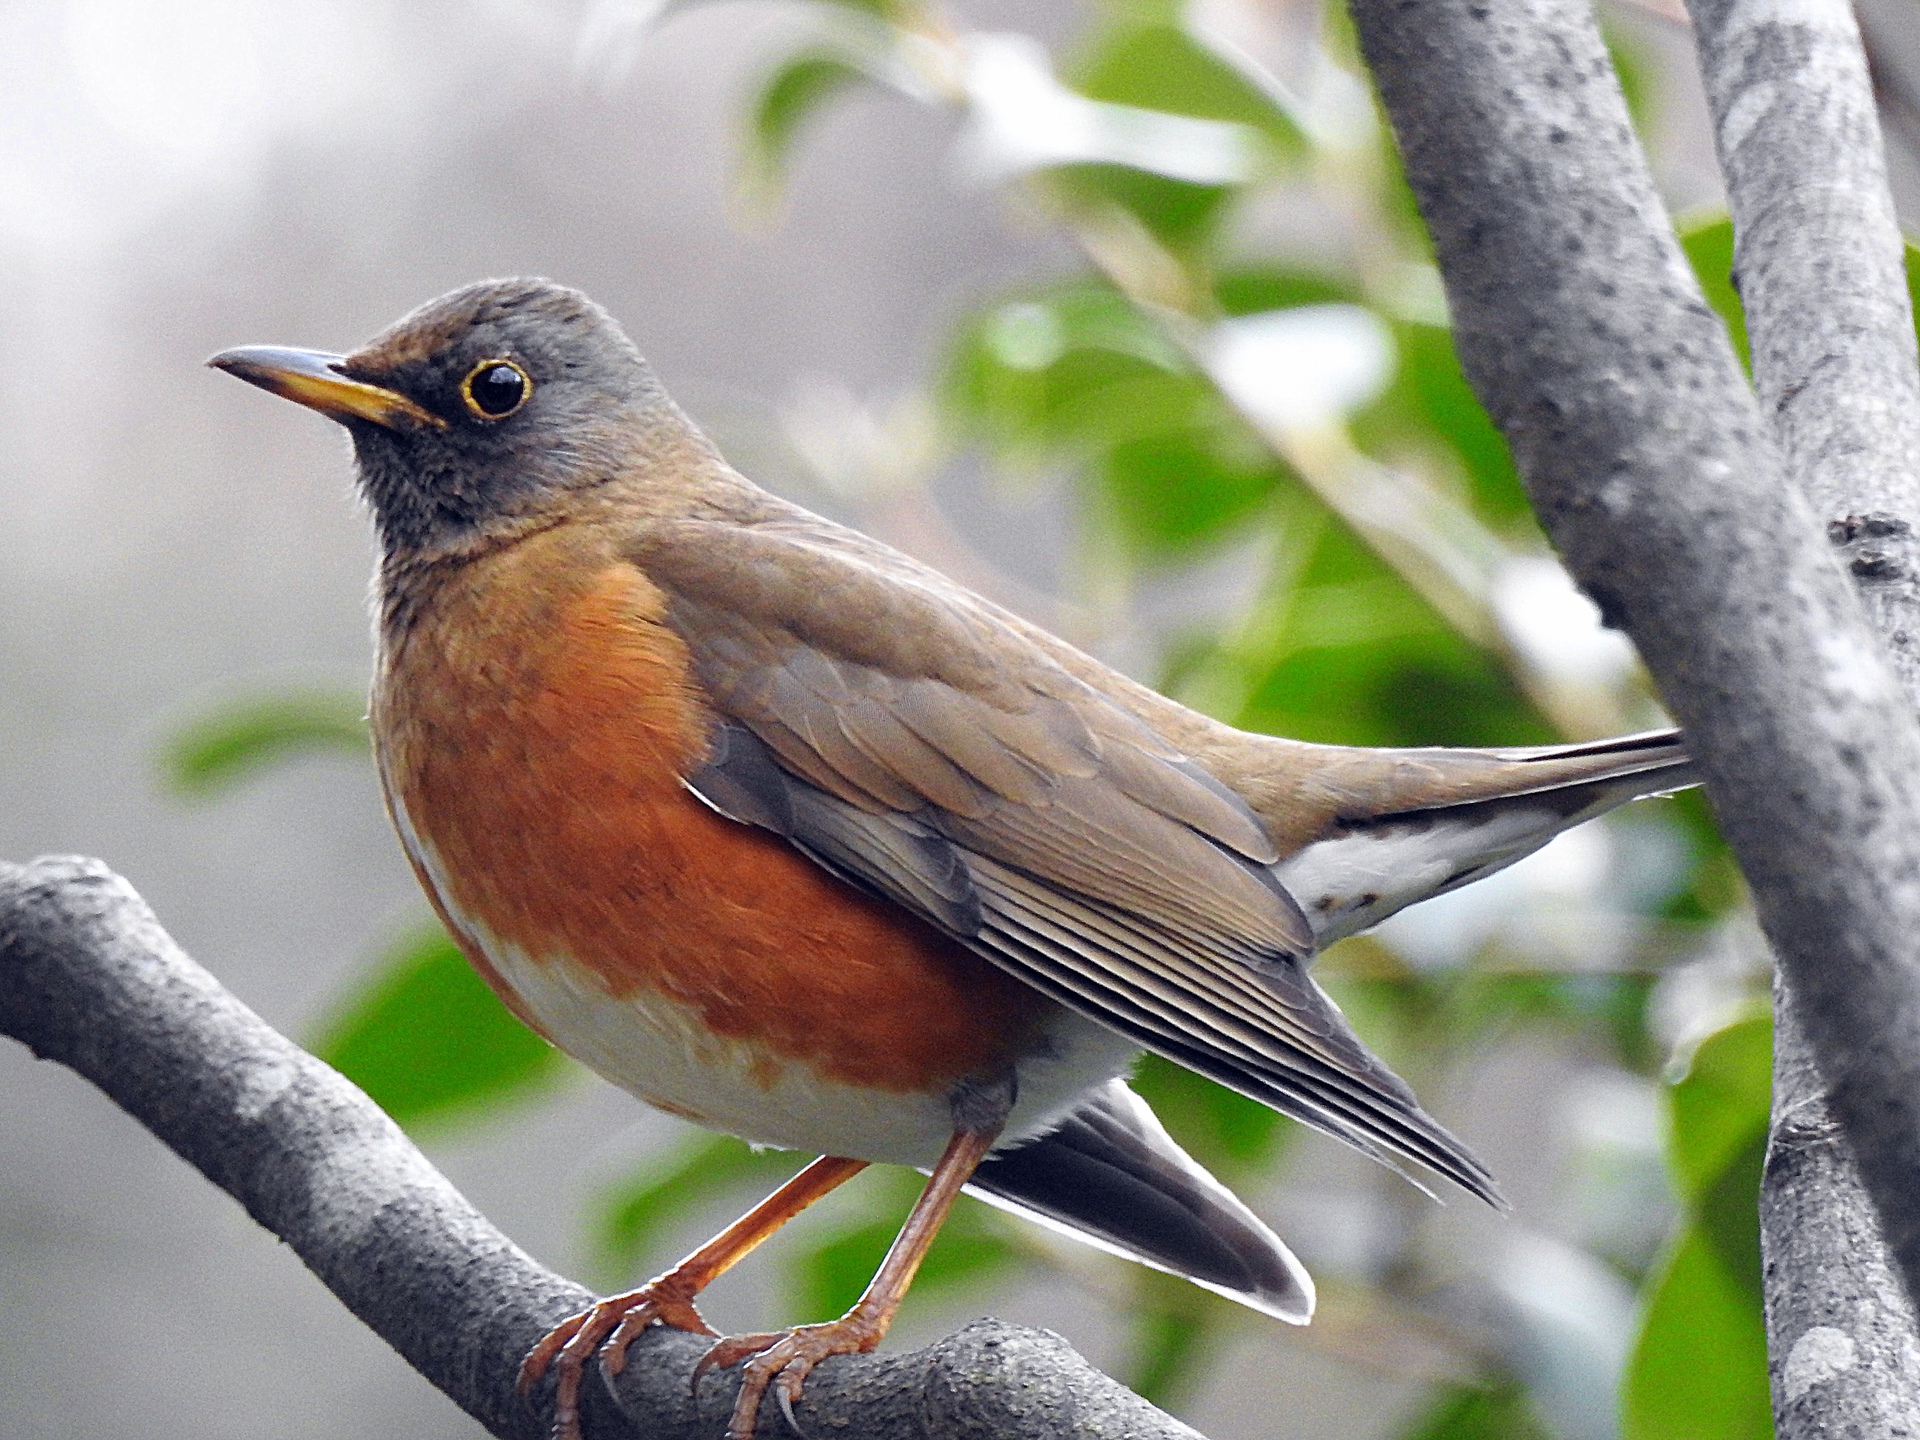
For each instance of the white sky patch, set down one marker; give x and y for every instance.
(1576, 1318)
(1546, 618)
(1569, 872)
(112, 111)
(184, 83)
(1302, 368)
(1021, 118)
(612, 34)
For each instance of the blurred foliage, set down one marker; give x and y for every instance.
(1386, 519)
(632, 1216)
(1469, 1413)
(1699, 1369)
(239, 738)
(429, 1041)
(800, 86)
(976, 1244)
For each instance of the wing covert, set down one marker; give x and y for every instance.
(957, 770)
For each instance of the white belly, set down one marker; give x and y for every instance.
(657, 1049)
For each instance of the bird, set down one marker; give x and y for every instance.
(792, 836)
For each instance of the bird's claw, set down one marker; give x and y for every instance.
(783, 1360)
(605, 1328)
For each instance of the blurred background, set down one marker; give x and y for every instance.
(1117, 311)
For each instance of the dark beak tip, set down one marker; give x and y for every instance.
(317, 380)
(245, 362)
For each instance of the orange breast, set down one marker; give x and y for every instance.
(534, 724)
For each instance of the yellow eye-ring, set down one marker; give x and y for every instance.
(494, 389)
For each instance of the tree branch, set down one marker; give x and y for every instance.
(1820, 266)
(88, 978)
(1584, 333)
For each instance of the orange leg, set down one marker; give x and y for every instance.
(668, 1297)
(785, 1358)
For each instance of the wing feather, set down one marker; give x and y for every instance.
(927, 752)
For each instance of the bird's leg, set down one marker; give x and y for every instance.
(668, 1297)
(784, 1359)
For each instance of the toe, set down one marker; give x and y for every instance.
(786, 1389)
(550, 1345)
(569, 1346)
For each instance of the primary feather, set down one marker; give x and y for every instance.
(1097, 840)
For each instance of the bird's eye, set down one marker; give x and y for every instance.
(494, 389)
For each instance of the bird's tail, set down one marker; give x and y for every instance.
(1464, 814)
(1112, 1177)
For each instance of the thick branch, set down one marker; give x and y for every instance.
(88, 978)
(1821, 270)
(1820, 265)
(1586, 337)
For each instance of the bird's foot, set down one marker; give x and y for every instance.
(783, 1360)
(606, 1328)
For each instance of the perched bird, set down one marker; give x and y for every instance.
(792, 836)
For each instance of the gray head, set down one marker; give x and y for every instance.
(475, 410)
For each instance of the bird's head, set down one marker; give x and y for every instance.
(479, 410)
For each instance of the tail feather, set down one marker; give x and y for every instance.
(1112, 1177)
(1630, 766)
(1484, 810)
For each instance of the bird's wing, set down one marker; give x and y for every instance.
(898, 733)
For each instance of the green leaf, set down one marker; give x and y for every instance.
(1181, 214)
(1159, 66)
(1357, 657)
(829, 1276)
(1709, 249)
(1172, 492)
(1467, 1412)
(631, 1215)
(218, 750)
(1721, 1104)
(426, 1038)
(1076, 367)
(1076, 374)
(1431, 399)
(1728, 1217)
(1715, 885)
(1431, 688)
(1634, 66)
(796, 89)
(1175, 1332)
(1699, 1367)
(1256, 289)
(1149, 63)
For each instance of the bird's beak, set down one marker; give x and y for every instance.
(313, 378)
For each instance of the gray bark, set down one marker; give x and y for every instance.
(1841, 1347)
(1819, 262)
(1585, 335)
(89, 979)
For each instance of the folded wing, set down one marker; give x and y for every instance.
(899, 733)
